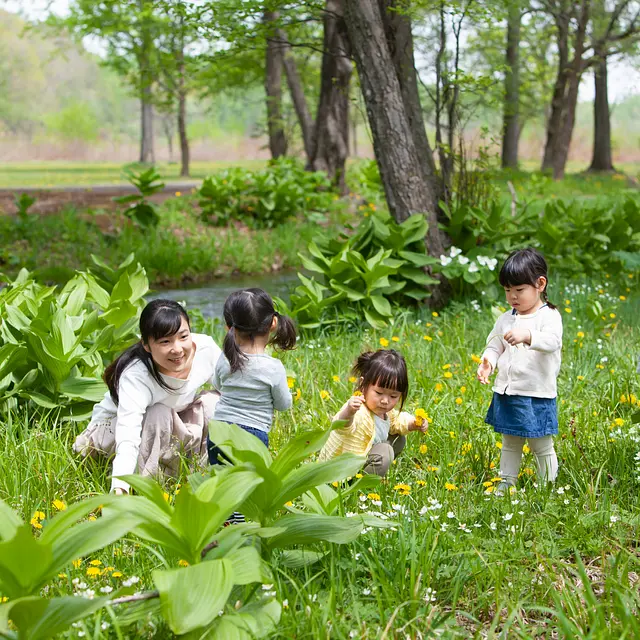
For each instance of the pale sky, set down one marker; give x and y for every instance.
(623, 79)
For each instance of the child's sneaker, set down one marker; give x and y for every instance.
(235, 518)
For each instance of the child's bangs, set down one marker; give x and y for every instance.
(383, 374)
(516, 272)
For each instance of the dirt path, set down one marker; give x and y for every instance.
(83, 197)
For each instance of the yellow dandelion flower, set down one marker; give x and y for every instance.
(448, 374)
(623, 298)
(528, 471)
(95, 563)
(324, 394)
(466, 447)
(449, 486)
(427, 338)
(357, 393)
(62, 576)
(632, 399)
(446, 366)
(439, 386)
(432, 468)
(463, 389)
(420, 417)
(110, 569)
(384, 342)
(580, 334)
(165, 495)
(76, 563)
(402, 487)
(359, 475)
(452, 435)
(395, 338)
(59, 505)
(298, 394)
(492, 465)
(93, 572)
(458, 401)
(116, 574)
(619, 422)
(612, 315)
(429, 324)
(499, 445)
(567, 309)
(421, 483)
(580, 378)
(488, 483)
(352, 379)
(423, 448)
(373, 496)
(183, 563)
(490, 489)
(290, 382)
(288, 504)
(39, 515)
(335, 483)
(567, 302)
(435, 314)
(4, 599)
(336, 378)
(475, 358)
(35, 523)
(526, 449)
(178, 194)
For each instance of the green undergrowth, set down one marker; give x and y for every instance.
(544, 562)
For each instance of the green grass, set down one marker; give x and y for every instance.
(182, 250)
(513, 570)
(60, 174)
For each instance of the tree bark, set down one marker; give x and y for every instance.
(146, 127)
(331, 138)
(273, 89)
(511, 125)
(602, 158)
(167, 126)
(399, 37)
(297, 94)
(406, 190)
(182, 114)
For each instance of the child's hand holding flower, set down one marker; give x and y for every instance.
(484, 371)
(355, 402)
(517, 336)
(420, 421)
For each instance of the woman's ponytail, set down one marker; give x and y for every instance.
(232, 351)
(284, 338)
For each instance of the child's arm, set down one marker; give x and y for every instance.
(492, 352)
(280, 392)
(348, 411)
(404, 422)
(549, 337)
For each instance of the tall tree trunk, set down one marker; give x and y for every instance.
(273, 89)
(406, 190)
(182, 114)
(331, 138)
(297, 94)
(167, 126)
(399, 37)
(146, 127)
(511, 126)
(602, 159)
(561, 149)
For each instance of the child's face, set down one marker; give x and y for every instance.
(526, 298)
(381, 400)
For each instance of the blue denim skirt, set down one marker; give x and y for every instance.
(216, 455)
(523, 416)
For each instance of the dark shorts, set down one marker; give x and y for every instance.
(523, 416)
(216, 456)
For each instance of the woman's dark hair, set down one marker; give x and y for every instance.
(385, 368)
(249, 313)
(159, 319)
(525, 266)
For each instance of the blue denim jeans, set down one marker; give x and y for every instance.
(216, 455)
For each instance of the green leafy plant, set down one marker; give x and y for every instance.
(264, 199)
(23, 203)
(54, 343)
(140, 210)
(364, 275)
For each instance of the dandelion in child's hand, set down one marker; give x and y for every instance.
(420, 417)
(357, 393)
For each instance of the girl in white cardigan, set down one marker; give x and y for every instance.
(525, 346)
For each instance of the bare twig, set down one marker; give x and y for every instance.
(138, 597)
(212, 545)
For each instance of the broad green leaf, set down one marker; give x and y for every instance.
(418, 259)
(375, 319)
(311, 528)
(150, 489)
(192, 597)
(298, 558)
(40, 399)
(251, 622)
(299, 448)
(71, 515)
(222, 433)
(23, 563)
(9, 521)
(86, 388)
(247, 566)
(381, 305)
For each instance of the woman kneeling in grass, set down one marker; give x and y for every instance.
(153, 409)
(374, 427)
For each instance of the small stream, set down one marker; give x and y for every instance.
(210, 298)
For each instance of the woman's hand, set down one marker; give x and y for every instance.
(484, 371)
(518, 336)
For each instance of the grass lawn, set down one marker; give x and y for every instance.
(544, 562)
(60, 174)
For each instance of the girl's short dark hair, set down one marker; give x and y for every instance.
(159, 319)
(525, 266)
(385, 368)
(250, 313)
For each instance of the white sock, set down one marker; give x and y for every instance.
(510, 458)
(546, 457)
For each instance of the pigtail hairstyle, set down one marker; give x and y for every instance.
(249, 313)
(284, 338)
(525, 266)
(159, 319)
(385, 368)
